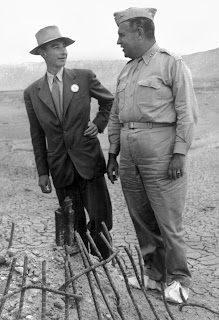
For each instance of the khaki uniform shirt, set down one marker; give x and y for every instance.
(155, 88)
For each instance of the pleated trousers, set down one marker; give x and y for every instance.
(155, 202)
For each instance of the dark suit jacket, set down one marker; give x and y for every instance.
(57, 146)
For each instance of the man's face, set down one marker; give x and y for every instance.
(128, 40)
(55, 54)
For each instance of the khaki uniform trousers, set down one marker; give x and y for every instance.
(155, 202)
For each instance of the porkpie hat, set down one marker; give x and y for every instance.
(48, 34)
(134, 12)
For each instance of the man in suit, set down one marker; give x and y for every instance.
(64, 138)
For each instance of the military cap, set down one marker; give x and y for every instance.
(134, 12)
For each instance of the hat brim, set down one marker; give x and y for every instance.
(67, 41)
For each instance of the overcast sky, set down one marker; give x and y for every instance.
(182, 26)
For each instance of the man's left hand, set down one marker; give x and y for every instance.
(177, 166)
(91, 131)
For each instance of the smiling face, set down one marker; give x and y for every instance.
(54, 54)
(128, 40)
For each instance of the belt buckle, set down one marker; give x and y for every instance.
(131, 125)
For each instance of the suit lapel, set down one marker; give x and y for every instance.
(45, 94)
(68, 81)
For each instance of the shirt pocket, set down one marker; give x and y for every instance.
(154, 83)
(150, 93)
(121, 95)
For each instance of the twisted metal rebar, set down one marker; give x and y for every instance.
(98, 282)
(11, 235)
(8, 283)
(118, 300)
(96, 303)
(24, 278)
(43, 315)
(9, 295)
(141, 284)
(77, 302)
(165, 302)
(109, 239)
(140, 264)
(125, 278)
(197, 305)
(88, 269)
(67, 300)
(70, 278)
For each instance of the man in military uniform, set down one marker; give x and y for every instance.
(152, 126)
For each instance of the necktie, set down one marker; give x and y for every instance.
(56, 97)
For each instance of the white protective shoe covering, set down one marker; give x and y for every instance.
(149, 284)
(172, 293)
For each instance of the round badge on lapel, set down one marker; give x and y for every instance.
(74, 88)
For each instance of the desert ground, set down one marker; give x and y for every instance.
(33, 215)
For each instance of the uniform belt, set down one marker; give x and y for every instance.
(143, 125)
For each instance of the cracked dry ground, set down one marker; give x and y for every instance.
(33, 215)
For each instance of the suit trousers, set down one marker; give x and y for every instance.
(155, 202)
(92, 195)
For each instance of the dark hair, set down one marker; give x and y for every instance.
(145, 23)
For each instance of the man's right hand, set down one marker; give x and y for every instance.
(45, 183)
(112, 168)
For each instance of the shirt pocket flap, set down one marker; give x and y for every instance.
(152, 83)
(121, 86)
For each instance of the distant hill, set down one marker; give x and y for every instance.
(204, 67)
(19, 76)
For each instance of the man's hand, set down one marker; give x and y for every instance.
(45, 184)
(177, 166)
(91, 131)
(112, 168)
